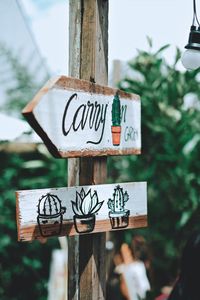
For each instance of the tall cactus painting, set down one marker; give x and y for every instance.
(119, 216)
(116, 120)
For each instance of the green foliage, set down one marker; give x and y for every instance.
(170, 156)
(24, 267)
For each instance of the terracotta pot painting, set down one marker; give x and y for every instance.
(119, 216)
(85, 208)
(50, 215)
(116, 121)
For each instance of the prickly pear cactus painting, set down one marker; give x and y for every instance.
(119, 216)
(85, 208)
(50, 215)
(116, 120)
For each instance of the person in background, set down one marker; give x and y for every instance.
(128, 277)
(134, 282)
(142, 252)
(187, 286)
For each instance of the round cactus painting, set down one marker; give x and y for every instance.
(50, 215)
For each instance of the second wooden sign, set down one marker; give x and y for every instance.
(80, 210)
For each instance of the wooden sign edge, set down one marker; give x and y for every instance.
(140, 221)
(18, 217)
(38, 129)
(63, 82)
(106, 152)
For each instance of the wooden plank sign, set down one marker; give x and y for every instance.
(80, 210)
(78, 118)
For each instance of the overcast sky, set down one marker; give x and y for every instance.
(130, 21)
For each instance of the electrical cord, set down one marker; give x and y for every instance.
(195, 18)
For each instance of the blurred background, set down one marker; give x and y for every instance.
(146, 39)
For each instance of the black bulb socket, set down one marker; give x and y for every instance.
(194, 38)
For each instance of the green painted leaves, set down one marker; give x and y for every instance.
(116, 111)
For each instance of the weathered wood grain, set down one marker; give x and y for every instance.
(87, 269)
(75, 28)
(30, 233)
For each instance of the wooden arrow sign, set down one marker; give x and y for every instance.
(78, 118)
(80, 210)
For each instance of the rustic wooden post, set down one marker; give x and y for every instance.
(88, 59)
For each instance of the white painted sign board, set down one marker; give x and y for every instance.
(80, 210)
(75, 118)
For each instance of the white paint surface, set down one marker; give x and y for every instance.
(28, 200)
(49, 114)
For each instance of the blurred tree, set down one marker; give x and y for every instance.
(170, 155)
(21, 83)
(24, 267)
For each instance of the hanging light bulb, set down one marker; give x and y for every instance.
(191, 57)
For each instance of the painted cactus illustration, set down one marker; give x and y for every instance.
(85, 209)
(50, 215)
(119, 216)
(116, 120)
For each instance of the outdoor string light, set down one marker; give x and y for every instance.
(191, 57)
